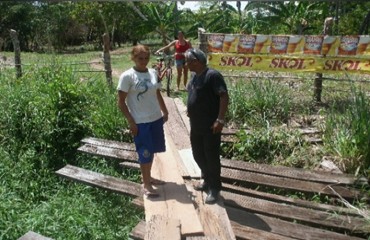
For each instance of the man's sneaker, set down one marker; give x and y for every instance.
(201, 187)
(212, 196)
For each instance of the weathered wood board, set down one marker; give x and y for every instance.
(159, 227)
(108, 152)
(33, 236)
(213, 217)
(288, 172)
(290, 184)
(100, 180)
(174, 201)
(192, 168)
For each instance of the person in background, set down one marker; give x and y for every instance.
(207, 105)
(141, 102)
(181, 45)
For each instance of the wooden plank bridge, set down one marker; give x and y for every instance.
(242, 212)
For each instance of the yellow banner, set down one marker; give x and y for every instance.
(287, 63)
(316, 45)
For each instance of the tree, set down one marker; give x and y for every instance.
(290, 17)
(20, 18)
(164, 19)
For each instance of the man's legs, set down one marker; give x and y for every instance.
(206, 153)
(212, 157)
(196, 141)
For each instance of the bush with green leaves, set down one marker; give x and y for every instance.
(44, 111)
(51, 110)
(45, 114)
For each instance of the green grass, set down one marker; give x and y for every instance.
(44, 116)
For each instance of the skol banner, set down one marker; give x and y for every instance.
(313, 45)
(286, 63)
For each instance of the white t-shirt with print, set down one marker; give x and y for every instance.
(141, 89)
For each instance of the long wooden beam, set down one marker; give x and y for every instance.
(55, 1)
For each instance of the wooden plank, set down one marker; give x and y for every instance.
(248, 233)
(99, 180)
(246, 225)
(106, 151)
(201, 238)
(182, 111)
(288, 183)
(109, 143)
(288, 172)
(174, 201)
(138, 232)
(130, 165)
(304, 215)
(160, 227)
(213, 217)
(175, 126)
(289, 200)
(305, 131)
(192, 168)
(242, 219)
(33, 236)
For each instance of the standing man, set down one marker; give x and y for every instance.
(207, 104)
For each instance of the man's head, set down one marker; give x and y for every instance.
(195, 54)
(196, 59)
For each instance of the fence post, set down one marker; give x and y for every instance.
(106, 59)
(203, 45)
(17, 52)
(318, 79)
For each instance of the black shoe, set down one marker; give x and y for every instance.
(201, 187)
(212, 196)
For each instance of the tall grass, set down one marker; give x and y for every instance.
(347, 132)
(258, 103)
(44, 116)
(270, 146)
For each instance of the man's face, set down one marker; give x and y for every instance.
(190, 62)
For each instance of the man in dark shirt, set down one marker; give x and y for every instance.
(207, 105)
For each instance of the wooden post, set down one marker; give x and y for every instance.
(318, 79)
(203, 45)
(106, 59)
(17, 52)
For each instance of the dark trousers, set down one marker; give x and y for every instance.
(206, 153)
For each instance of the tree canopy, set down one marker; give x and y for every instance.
(58, 24)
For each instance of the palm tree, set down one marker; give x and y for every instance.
(163, 18)
(293, 17)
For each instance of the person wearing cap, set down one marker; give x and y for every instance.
(181, 45)
(207, 105)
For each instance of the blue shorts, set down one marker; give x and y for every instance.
(149, 140)
(180, 62)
